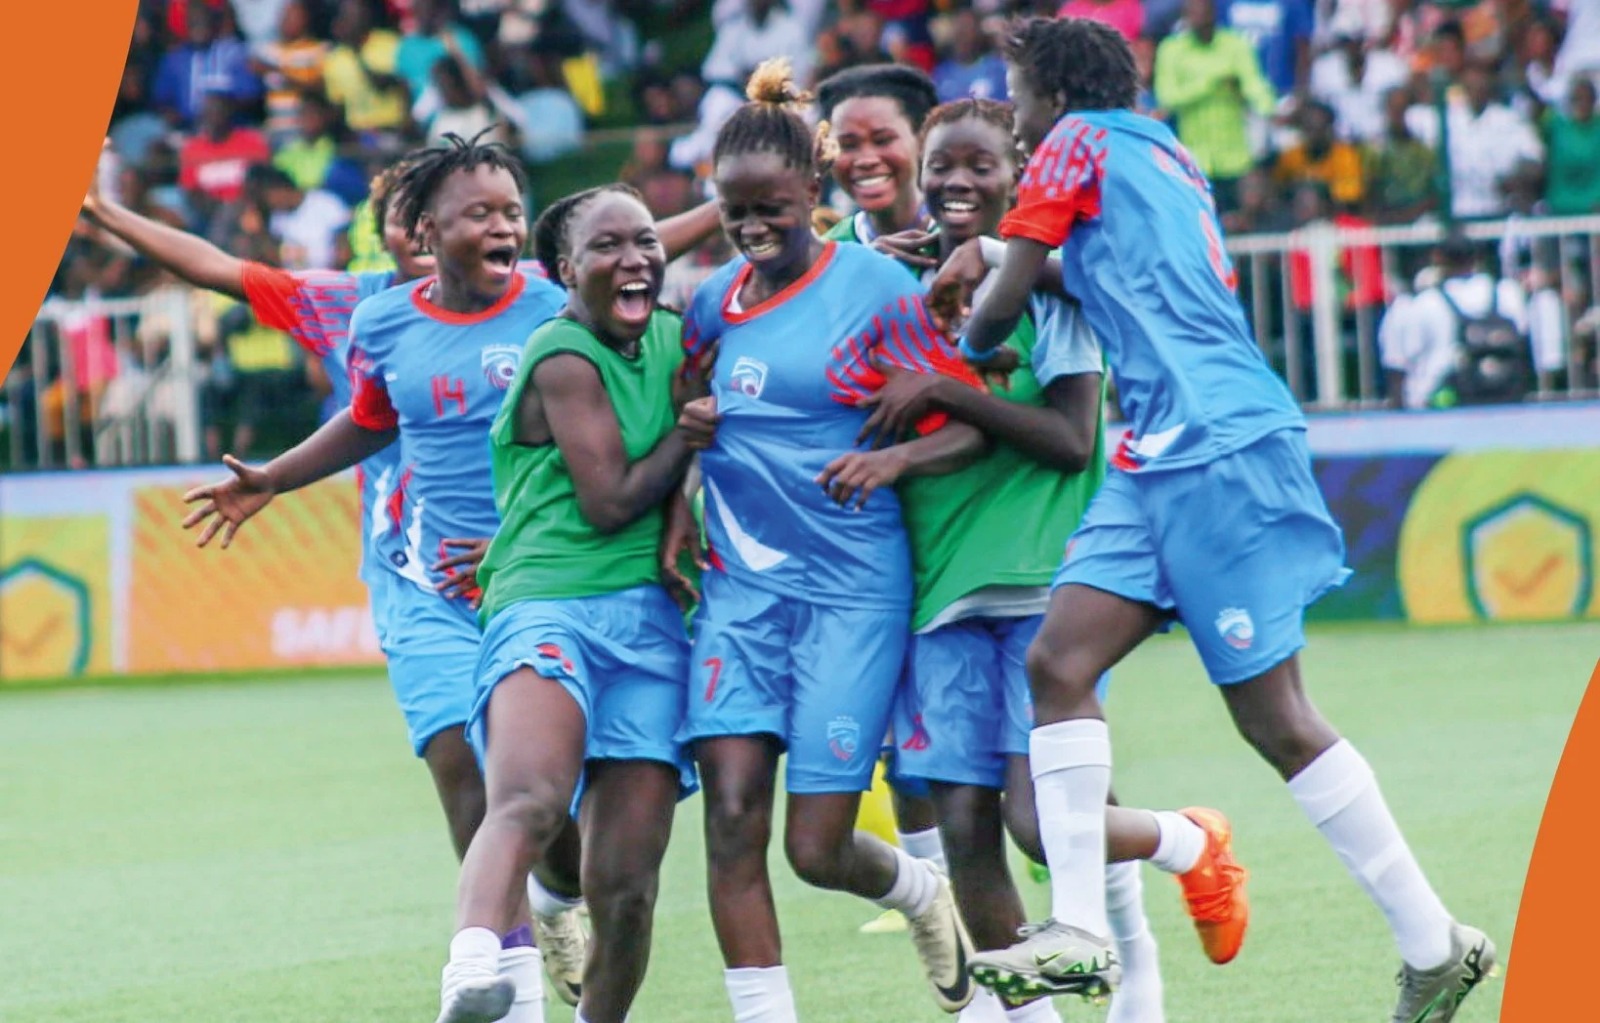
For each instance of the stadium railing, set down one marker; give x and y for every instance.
(136, 403)
(1316, 296)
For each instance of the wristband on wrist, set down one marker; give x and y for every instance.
(973, 355)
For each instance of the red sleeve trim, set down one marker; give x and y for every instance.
(370, 407)
(270, 292)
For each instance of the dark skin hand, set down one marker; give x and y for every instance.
(681, 535)
(224, 507)
(461, 570)
(1061, 434)
(964, 267)
(854, 475)
(906, 398)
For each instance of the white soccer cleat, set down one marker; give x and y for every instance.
(944, 948)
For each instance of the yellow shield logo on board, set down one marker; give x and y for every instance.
(1528, 559)
(46, 631)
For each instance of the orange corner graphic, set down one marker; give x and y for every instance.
(69, 68)
(1559, 901)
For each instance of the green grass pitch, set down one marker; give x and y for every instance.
(268, 852)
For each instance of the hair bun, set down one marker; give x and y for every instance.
(772, 82)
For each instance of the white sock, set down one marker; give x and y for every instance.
(1042, 1011)
(915, 886)
(477, 949)
(1138, 999)
(546, 904)
(1181, 843)
(925, 845)
(1071, 763)
(1340, 795)
(985, 1007)
(760, 994)
(525, 967)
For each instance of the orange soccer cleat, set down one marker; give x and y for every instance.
(1214, 889)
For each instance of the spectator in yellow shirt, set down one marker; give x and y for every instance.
(1209, 78)
(359, 73)
(1320, 157)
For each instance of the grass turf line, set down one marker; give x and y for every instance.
(269, 852)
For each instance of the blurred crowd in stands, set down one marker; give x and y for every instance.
(259, 123)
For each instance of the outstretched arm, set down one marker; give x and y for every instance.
(569, 402)
(224, 507)
(190, 257)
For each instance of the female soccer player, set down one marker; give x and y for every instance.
(875, 112)
(314, 307)
(1212, 429)
(796, 582)
(584, 662)
(431, 364)
(985, 542)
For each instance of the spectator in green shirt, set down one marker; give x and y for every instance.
(1573, 141)
(1209, 78)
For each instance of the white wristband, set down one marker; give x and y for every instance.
(993, 249)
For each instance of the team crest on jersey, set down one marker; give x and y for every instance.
(500, 364)
(844, 737)
(749, 376)
(1236, 628)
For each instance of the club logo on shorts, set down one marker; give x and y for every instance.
(844, 737)
(919, 740)
(748, 377)
(500, 365)
(1236, 628)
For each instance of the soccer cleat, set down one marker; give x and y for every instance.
(944, 948)
(1432, 996)
(564, 943)
(890, 921)
(1052, 959)
(1214, 889)
(473, 996)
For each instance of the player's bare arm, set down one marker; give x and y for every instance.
(685, 231)
(996, 317)
(192, 258)
(1061, 435)
(225, 506)
(569, 405)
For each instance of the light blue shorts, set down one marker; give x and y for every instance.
(623, 657)
(822, 679)
(1235, 549)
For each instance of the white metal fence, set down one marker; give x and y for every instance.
(118, 382)
(106, 382)
(1316, 298)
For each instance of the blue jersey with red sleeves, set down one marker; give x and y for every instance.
(439, 377)
(788, 375)
(314, 308)
(1142, 250)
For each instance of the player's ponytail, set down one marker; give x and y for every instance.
(772, 121)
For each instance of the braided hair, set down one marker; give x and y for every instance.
(419, 182)
(771, 122)
(551, 239)
(1086, 62)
